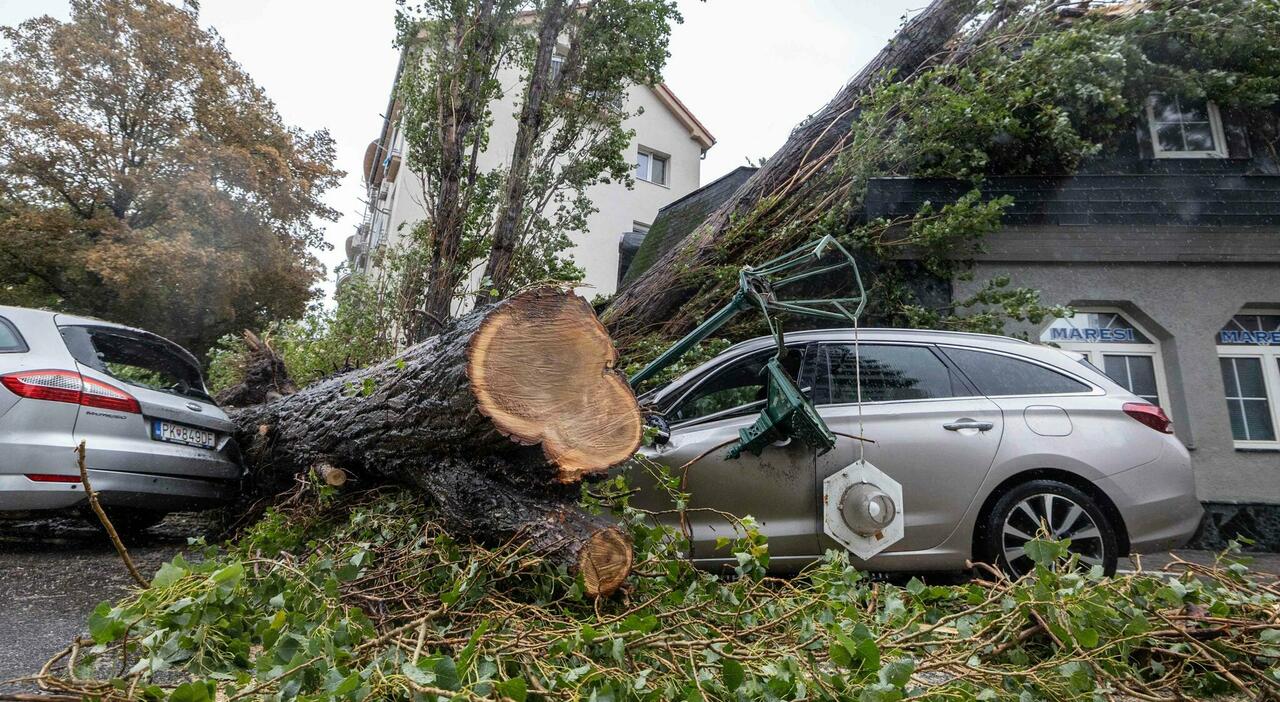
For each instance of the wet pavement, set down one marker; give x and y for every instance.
(54, 571)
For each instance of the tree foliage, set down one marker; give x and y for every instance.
(1037, 92)
(513, 215)
(146, 179)
(361, 597)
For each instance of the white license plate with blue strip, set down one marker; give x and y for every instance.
(182, 434)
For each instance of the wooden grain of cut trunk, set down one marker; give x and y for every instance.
(496, 420)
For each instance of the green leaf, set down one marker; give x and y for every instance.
(898, 672)
(348, 685)
(193, 692)
(228, 574)
(168, 574)
(1087, 638)
(732, 672)
(447, 674)
(513, 689)
(104, 626)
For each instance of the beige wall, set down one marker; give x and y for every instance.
(596, 249)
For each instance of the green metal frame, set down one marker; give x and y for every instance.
(787, 413)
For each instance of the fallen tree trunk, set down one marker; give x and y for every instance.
(653, 301)
(496, 420)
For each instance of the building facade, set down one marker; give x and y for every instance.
(667, 150)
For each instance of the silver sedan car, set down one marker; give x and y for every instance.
(991, 438)
(155, 441)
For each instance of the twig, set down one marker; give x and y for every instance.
(106, 523)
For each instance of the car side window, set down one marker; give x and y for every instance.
(10, 340)
(738, 383)
(889, 372)
(1002, 375)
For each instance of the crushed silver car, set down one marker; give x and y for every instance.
(155, 440)
(992, 439)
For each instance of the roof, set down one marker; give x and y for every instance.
(697, 131)
(680, 217)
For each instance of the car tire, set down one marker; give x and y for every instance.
(126, 521)
(1072, 514)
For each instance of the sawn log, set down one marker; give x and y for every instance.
(496, 420)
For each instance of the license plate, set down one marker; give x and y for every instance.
(182, 434)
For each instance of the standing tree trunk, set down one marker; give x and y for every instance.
(529, 131)
(497, 419)
(653, 300)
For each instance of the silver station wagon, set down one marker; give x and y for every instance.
(155, 441)
(991, 438)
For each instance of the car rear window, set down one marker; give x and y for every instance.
(137, 359)
(10, 340)
(1002, 375)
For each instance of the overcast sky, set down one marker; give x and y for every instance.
(749, 69)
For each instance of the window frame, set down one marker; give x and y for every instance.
(647, 175)
(1269, 357)
(22, 346)
(1093, 388)
(669, 406)
(932, 348)
(1215, 126)
(1096, 350)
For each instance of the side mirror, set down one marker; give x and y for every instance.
(658, 430)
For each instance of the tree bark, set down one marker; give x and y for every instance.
(529, 130)
(653, 300)
(496, 420)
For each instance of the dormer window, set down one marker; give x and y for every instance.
(1185, 128)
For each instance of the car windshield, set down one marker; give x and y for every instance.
(138, 359)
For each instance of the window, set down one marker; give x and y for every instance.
(10, 340)
(888, 373)
(997, 375)
(739, 384)
(651, 167)
(137, 359)
(1185, 128)
(1247, 399)
(1116, 346)
(557, 66)
(1249, 354)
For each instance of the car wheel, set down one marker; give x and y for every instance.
(1063, 511)
(125, 521)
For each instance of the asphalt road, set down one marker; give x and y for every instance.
(54, 571)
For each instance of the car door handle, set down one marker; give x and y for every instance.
(968, 424)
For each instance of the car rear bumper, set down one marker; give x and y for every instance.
(116, 489)
(1158, 501)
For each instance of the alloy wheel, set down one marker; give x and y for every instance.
(1060, 518)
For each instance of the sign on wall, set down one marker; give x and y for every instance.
(1251, 330)
(1093, 328)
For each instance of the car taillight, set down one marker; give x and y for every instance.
(103, 396)
(1149, 415)
(69, 386)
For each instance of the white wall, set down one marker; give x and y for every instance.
(596, 249)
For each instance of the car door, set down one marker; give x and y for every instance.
(776, 487)
(928, 429)
(176, 417)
